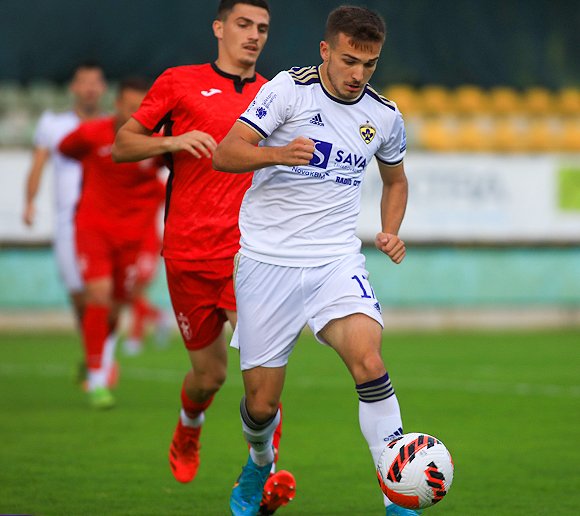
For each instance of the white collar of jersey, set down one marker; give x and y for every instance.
(331, 96)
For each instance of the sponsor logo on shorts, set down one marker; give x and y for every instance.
(184, 326)
(83, 263)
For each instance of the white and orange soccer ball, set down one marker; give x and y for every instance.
(415, 470)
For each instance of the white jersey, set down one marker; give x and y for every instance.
(305, 216)
(51, 129)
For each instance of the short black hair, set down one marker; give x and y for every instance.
(226, 6)
(358, 23)
(134, 83)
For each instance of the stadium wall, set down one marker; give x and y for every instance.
(445, 42)
(440, 277)
(454, 266)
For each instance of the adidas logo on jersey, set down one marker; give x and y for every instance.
(317, 120)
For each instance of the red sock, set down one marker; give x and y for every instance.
(95, 332)
(277, 435)
(193, 408)
(142, 310)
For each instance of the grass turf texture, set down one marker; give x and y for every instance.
(506, 404)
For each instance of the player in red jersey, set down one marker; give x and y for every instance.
(197, 105)
(115, 219)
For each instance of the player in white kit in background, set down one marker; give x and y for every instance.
(87, 87)
(300, 261)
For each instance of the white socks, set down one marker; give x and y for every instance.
(379, 416)
(259, 436)
(194, 422)
(380, 422)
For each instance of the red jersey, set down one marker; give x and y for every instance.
(202, 208)
(123, 198)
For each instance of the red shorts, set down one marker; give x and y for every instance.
(103, 254)
(200, 293)
(148, 257)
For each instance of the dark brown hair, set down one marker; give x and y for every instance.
(358, 23)
(226, 6)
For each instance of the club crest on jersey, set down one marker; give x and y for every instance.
(367, 133)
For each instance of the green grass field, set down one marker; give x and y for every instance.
(506, 404)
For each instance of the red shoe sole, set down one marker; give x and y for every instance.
(279, 490)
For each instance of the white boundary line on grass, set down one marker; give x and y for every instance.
(175, 376)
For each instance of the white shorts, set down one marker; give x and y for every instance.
(274, 303)
(66, 255)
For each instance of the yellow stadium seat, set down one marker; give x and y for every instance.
(538, 102)
(473, 136)
(435, 100)
(507, 136)
(570, 138)
(470, 100)
(503, 101)
(541, 136)
(404, 96)
(435, 135)
(568, 101)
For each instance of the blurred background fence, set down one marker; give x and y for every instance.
(490, 92)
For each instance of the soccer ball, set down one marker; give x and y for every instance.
(415, 470)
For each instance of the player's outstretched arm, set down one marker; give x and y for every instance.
(134, 142)
(39, 159)
(393, 206)
(239, 152)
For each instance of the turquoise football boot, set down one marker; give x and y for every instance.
(396, 510)
(247, 492)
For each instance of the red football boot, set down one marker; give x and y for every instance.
(184, 452)
(279, 489)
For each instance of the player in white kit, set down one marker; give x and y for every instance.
(309, 135)
(87, 87)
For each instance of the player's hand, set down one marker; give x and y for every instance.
(197, 143)
(29, 213)
(298, 152)
(391, 245)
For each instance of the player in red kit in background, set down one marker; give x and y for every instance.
(196, 106)
(115, 223)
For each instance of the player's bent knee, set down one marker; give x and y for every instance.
(262, 409)
(212, 382)
(371, 366)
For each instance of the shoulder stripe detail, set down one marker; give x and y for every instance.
(253, 126)
(298, 71)
(304, 76)
(390, 163)
(378, 97)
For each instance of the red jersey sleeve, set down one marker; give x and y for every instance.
(158, 102)
(75, 145)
